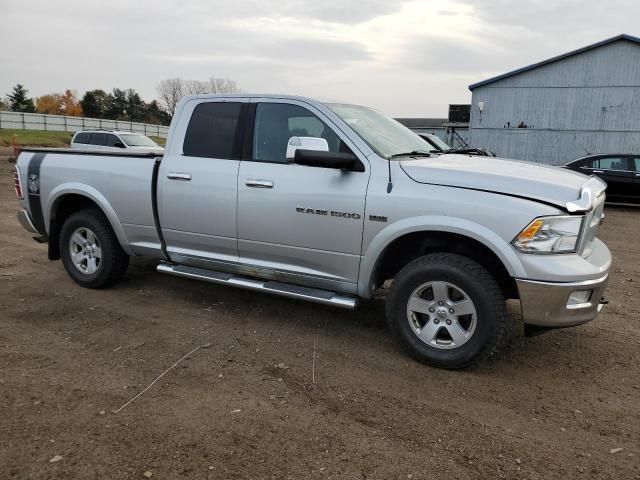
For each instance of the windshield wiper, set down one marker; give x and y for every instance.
(481, 152)
(415, 153)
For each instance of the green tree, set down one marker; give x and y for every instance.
(123, 104)
(116, 105)
(136, 108)
(155, 114)
(94, 103)
(18, 100)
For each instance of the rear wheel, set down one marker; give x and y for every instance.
(90, 251)
(446, 310)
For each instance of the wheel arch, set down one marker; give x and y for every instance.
(399, 243)
(67, 199)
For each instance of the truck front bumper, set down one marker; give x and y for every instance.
(560, 304)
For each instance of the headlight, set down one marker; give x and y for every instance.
(550, 235)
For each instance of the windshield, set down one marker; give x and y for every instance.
(134, 140)
(384, 135)
(437, 142)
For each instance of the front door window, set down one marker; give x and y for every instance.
(276, 123)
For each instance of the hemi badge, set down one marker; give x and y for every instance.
(377, 218)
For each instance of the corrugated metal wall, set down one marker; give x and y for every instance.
(585, 103)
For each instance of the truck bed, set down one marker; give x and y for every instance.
(121, 184)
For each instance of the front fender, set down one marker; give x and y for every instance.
(433, 223)
(91, 193)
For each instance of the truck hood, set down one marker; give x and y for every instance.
(544, 183)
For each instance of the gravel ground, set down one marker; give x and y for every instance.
(561, 405)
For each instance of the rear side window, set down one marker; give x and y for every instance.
(213, 131)
(98, 138)
(608, 163)
(82, 137)
(637, 164)
(613, 163)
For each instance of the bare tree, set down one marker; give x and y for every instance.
(213, 85)
(194, 87)
(172, 90)
(223, 85)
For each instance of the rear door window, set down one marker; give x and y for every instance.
(111, 140)
(98, 138)
(636, 164)
(214, 131)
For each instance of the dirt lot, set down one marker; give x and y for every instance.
(551, 407)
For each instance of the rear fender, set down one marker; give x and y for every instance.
(53, 201)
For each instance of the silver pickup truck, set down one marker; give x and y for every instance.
(328, 202)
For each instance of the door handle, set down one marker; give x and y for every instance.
(179, 176)
(258, 183)
(598, 171)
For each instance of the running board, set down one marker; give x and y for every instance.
(325, 297)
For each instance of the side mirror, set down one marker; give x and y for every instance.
(339, 161)
(305, 143)
(119, 145)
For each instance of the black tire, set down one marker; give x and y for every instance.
(113, 260)
(491, 318)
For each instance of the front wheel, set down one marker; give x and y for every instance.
(90, 251)
(446, 310)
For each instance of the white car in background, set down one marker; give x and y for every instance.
(115, 141)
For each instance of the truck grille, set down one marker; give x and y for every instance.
(592, 222)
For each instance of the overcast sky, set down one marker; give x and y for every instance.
(407, 58)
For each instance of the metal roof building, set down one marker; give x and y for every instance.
(584, 101)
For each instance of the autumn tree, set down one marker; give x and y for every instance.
(59, 104)
(3, 105)
(49, 104)
(19, 101)
(69, 103)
